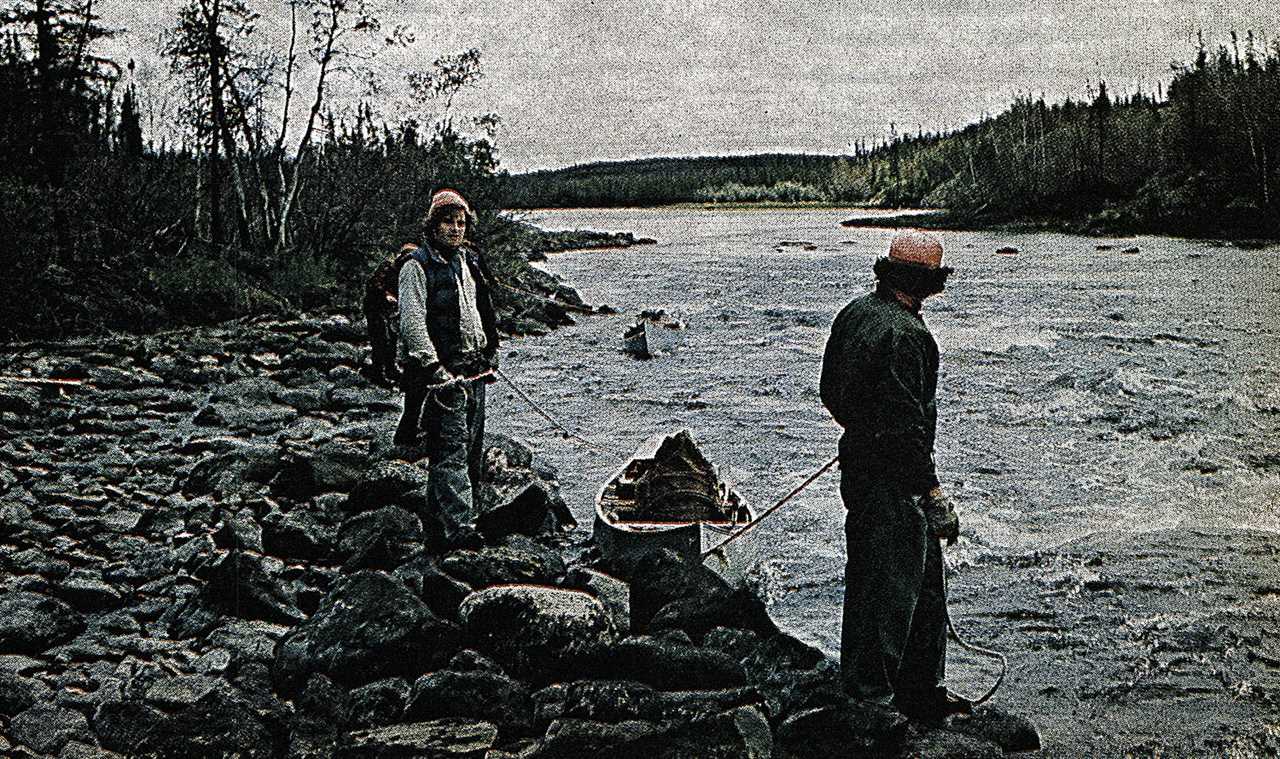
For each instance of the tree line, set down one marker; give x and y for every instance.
(260, 196)
(1197, 157)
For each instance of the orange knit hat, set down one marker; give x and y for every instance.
(912, 246)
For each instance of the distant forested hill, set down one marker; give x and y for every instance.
(1200, 157)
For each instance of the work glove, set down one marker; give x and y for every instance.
(420, 376)
(940, 513)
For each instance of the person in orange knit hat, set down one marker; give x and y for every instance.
(879, 377)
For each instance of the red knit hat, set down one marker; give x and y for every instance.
(444, 199)
(915, 247)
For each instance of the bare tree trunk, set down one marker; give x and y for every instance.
(212, 10)
(304, 144)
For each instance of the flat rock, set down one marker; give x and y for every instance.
(180, 690)
(440, 592)
(434, 738)
(242, 585)
(221, 723)
(478, 695)
(31, 622)
(947, 744)
(297, 534)
(390, 483)
(47, 728)
(121, 725)
(841, 730)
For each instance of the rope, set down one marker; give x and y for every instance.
(951, 627)
(547, 298)
(966, 645)
(751, 525)
(567, 432)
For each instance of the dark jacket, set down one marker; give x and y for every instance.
(443, 310)
(879, 378)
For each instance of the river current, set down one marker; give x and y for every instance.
(1083, 388)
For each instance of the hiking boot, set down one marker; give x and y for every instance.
(933, 706)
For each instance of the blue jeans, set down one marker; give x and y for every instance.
(450, 421)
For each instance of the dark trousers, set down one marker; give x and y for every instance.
(894, 638)
(450, 421)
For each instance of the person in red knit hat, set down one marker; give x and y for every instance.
(448, 342)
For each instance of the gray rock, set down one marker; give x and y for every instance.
(31, 623)
(18, 693)
(517, 560)
(660, 578)
(584, 738)
(617, 700)
(440, 592)
(180, 690)
(613, 593)
(436, 738)
(844, 730)
(663, 663)
(244, 585)
(1012, 732)
(121, 725)
(239, 531)
(368, 627)
(476, 695)
(946, 744)
(531, 629)
(47, 728)
(381, 539)
(325, 701)
(699, 614)
(19, 400)
(223, 722)
(297, 534)
(390, 483)
(379, 703)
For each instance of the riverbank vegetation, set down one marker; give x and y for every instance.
(1199, 156)
(261, 195)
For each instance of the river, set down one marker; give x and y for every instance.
(1084, 389)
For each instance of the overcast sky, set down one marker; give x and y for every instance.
(586, 81)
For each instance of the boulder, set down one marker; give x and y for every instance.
(699, 614)
(379, 703)
(390, 483)
(661, 662)
(947, 744)
(333, 467)
(436, 738)
(846, 730)
(659, 578)
(617, 700)
(297, 534)
(613, 593)
(245, 585)
(241, 469)
(590, 738)
(476, 695)
(31, 622)
(368, 627)
(518, 560)
(121, 725)
(324, 702)
(531, 630)
(221, 723)
(18, 693)
(1012, 732)
(380, 539)
(441, 593)
(47, 728)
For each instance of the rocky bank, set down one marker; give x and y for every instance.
(205, 551)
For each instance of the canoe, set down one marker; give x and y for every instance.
(622, 539)
(1007, 250)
